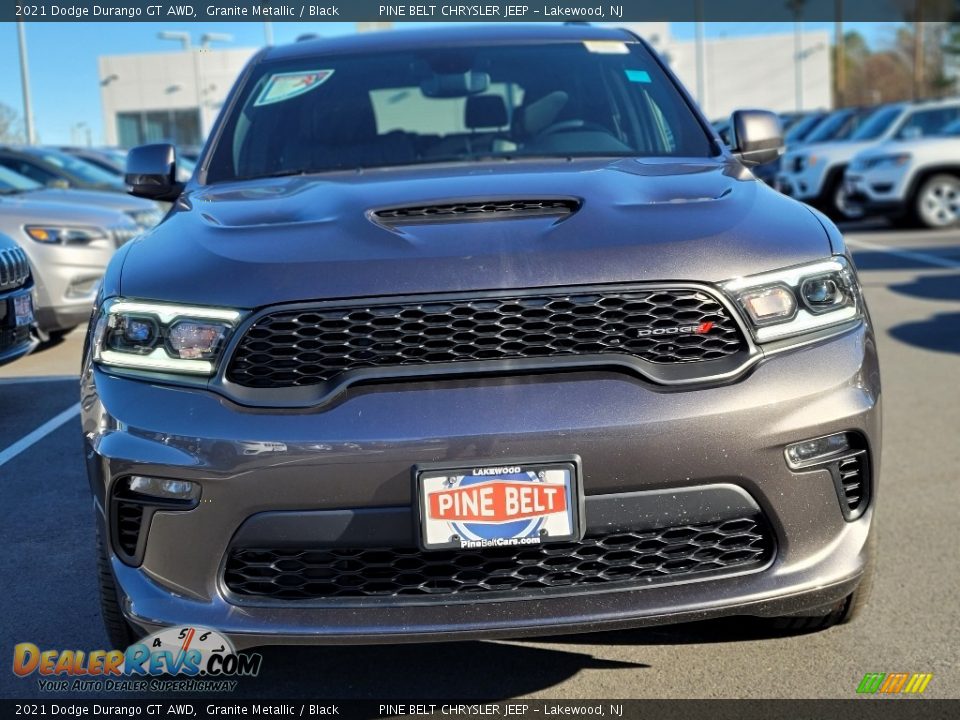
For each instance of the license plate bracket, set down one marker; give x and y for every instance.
(502, 504)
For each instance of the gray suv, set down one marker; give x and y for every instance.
(439, 343)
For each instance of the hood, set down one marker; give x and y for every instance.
(98, 198)
(840, 151)
(22, 209)
(254, 243)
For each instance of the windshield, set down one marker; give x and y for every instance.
(836, 126)
(13, 182)
(877, 124)
(798, 131)
(76, 167)
(586, 99)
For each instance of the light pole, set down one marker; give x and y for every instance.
(268, 33)
(701, 53)
(25, 84)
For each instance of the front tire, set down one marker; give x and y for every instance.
(937, 201)
(119, 631)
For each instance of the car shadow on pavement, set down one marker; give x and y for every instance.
(866, 260)
(456, 671)
(931, 287)
(940, 333)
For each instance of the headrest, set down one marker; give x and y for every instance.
(485, 111)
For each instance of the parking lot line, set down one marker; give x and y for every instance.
(41, 432)
(907, 254)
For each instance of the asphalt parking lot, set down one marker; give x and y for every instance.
(912, 281)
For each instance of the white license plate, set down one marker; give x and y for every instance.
(499, 505)
(23, 310)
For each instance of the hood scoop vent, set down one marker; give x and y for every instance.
(476, 210)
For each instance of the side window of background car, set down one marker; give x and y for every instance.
(927, 122)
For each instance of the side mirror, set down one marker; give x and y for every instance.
(152, 172)
(58, 184)
(757, 136)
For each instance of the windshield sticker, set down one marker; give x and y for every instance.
(607, 47)
(640, 76)
(284, 86)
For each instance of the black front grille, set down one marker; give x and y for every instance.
(624, 557)
(486, 210)
(14, 268)
(315, 345)
(13, 336)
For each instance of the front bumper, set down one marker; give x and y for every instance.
(632, 437)
(806, 185)
(882, 192)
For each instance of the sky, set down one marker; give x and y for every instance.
(63, 60)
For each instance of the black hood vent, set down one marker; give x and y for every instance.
(476, 210)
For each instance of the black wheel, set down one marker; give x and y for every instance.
(119, 631)
(835, 203)
(844, 611)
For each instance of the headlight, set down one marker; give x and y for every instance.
(162, 337)
(798, 300)
(885, 162)
(65, 235)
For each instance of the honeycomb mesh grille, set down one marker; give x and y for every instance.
(11, 337)
(477, 210)
(14, 268)
(305, 574)
(311, 346)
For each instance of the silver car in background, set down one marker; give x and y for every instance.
(145, 213)
(69, 247)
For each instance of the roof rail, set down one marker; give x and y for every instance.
(577, 22)
(307, 36)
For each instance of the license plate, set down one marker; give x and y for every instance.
(499, 505)
(23, 310)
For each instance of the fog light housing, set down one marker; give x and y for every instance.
(164, 488)
(811, 452)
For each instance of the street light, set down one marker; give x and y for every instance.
(182, 37)
(208, 38)
(25, 84)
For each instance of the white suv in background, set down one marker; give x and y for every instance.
(815, 173)
(910, 181)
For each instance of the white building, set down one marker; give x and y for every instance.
(750, 71)
(173, 96)
(176, 95)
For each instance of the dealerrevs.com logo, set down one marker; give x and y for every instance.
(198, 659)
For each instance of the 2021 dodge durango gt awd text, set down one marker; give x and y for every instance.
(440, 342)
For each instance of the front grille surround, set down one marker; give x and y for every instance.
(14, 268)
(623, 559)
(322, 346)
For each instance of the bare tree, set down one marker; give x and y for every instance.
(11, 127)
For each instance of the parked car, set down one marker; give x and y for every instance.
(814, 172)
(838, 125)
(533, 352)
(910, 181)
(68, 247)
(145, 213)
(113, 160)
(16, 302)
(58, 169)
